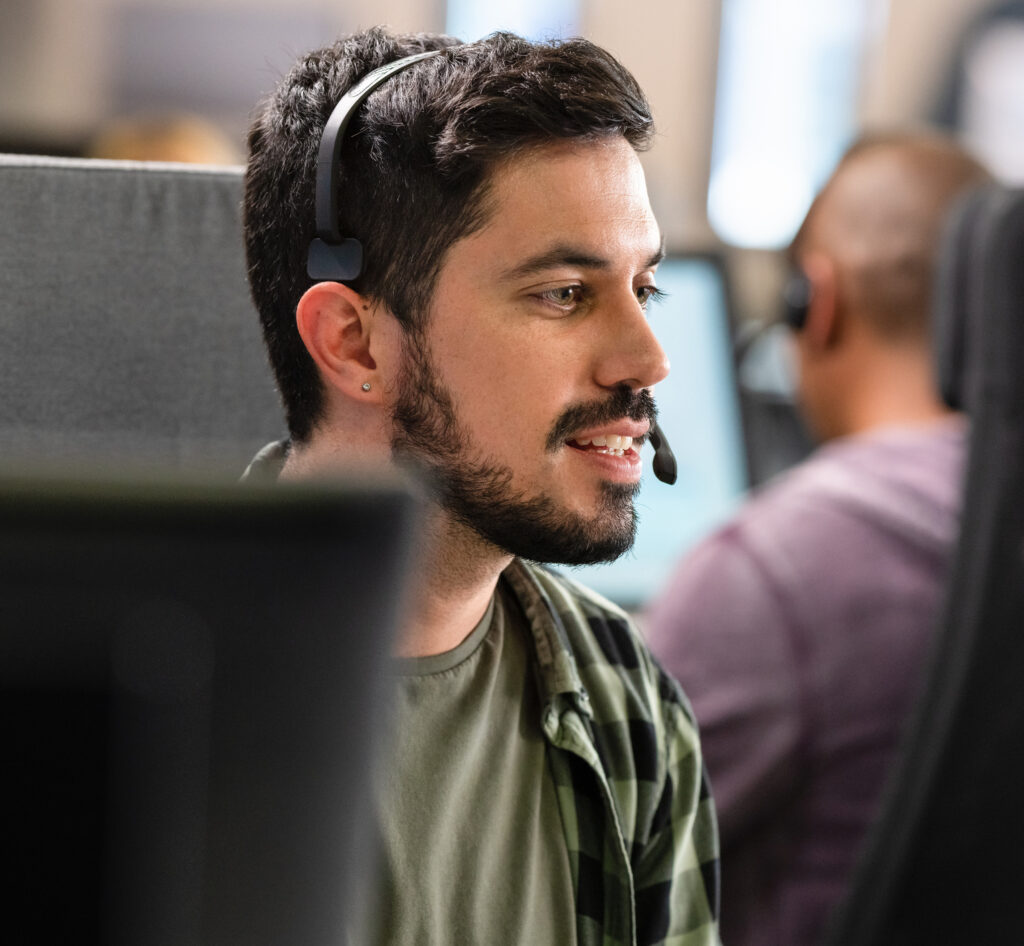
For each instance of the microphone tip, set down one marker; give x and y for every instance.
(665, 467)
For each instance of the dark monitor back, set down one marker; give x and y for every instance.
(189, 680)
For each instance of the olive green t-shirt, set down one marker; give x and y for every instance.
(472, 844)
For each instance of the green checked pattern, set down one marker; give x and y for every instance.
(623, 749)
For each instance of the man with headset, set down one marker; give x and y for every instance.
(800, 629)
(451, 258)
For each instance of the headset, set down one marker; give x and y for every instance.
(664, 463)
(332, 256)
(796, 299)
(338, 258)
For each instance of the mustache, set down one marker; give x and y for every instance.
(624, 402)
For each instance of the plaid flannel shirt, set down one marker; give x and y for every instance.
(639, 821)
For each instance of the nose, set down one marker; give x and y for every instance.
(632, 354)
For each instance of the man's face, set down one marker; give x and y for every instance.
(536, 358)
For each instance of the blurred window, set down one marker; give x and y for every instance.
(992, 105)
(982, 100)
(788, 76)
(534, 19)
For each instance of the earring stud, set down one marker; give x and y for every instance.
(366, 385)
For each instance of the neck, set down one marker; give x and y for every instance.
(456, 571)
(321, 459)
(456, 575)
(897, 389)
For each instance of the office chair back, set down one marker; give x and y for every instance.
(945, 863)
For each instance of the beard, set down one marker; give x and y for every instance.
(480, 493)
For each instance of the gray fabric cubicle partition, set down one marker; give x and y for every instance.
(126, 328)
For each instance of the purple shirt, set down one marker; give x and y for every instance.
(800, 631)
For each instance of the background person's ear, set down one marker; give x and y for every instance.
(335, 325)
(823, 327)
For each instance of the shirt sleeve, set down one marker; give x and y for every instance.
(721, 629)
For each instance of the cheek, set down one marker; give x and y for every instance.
(481, 377)
(501, 377)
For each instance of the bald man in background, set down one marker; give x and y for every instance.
(800, 629)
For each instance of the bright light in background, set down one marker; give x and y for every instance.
(992, 108)
(534, 19)
(788, 75)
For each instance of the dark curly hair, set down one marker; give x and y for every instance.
(414, 166)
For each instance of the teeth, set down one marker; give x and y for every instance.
(611, 444)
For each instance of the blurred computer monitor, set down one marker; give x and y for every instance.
(189, 678)
(699, 411)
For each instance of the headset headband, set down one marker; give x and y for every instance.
(332, 256)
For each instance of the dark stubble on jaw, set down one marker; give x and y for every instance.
(428, 437)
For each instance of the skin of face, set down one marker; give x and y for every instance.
(537, 338)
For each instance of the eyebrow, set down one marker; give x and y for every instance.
(569, 256)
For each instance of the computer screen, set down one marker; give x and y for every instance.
(192, 682)
(699, 412)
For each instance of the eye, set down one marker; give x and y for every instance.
(649, 294)
(565, 298)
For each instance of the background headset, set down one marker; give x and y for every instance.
(339, 258)
(796, 299)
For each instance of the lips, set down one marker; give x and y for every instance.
(625, 413)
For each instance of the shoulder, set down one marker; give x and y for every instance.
(861, 515)
(885, 489)
(779, 543)
(868, 483)
(875, 466)
(266, 466)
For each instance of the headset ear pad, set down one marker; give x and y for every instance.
(796, 299)
(336, 262)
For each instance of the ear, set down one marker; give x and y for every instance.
(823, 327)
(336, 324)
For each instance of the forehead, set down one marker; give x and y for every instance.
(592, 195)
